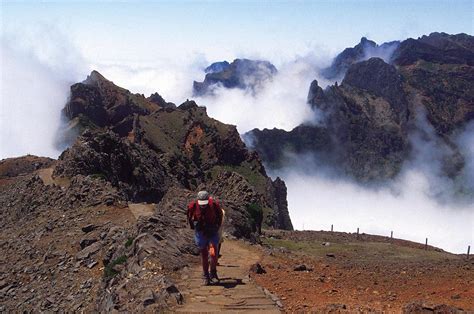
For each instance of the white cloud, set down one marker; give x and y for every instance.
(34, 89)
(316, 202)
(280, 103)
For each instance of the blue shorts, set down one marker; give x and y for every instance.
(203, 241)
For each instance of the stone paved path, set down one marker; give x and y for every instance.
(235, 293)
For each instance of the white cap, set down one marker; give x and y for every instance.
(203, 198)
(203, 202)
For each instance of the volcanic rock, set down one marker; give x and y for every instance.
(364, 50)
(367, 119)
(241, 73)
(258, 269)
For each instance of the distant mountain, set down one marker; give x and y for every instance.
(217, 67)
(369, 116)
(241, 73)
(364, 50)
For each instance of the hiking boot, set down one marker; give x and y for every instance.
(214, 278)
(206, 281)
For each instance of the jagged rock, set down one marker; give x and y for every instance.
(88, 228)
(88, 251)
(133, 169)
(422, 307)
(129, 149)
(437, 48)
(281, 216)
(157, 99)
(86, 242)
(364, 50)
(302, 267)
(12, 167)
(217, 67)
(367, 118)
(241, 73)
(172, 290)
(258, 269)
(148, 297)
(380, 79)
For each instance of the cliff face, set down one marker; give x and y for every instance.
(369, 116)
(145, 145)
(364, 50)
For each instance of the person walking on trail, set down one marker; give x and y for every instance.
(205, 217)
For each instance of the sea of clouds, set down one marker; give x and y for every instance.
(38, 68)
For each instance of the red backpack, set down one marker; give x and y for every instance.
(209, 217)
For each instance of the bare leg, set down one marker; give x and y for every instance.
(205, 261)
(213, 261)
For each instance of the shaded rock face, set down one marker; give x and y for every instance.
(278, 147)
(133, 168)
(157, 99)
(437, 48)
(102, 103)
(277, 189)
(381, 80)
(241, 73)
(368, 117)
(246, 205)
(217, 67)
(364, 50)
(236, 195)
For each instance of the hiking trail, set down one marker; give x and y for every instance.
(235, 292)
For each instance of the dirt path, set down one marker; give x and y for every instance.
(142, 209)
(46, 174)
(235, 293)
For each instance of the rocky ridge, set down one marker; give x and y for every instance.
(82, 245)
(369, 117)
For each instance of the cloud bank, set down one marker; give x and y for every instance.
(36, 75)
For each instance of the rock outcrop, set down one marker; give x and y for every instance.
(369, 116)
(241, 73)
(134, 169)
(364, 50)
(79, 217)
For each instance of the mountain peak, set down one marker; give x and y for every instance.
(95, 77)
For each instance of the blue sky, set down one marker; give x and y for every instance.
(136, 30)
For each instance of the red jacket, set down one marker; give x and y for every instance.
(210, 216)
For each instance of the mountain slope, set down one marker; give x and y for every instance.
(104, 226)
(369, 117)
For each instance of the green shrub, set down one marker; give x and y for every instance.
(99, 175)
(256, 212)
(109, 270)
(129, 242)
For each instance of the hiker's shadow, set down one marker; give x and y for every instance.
(229, 282)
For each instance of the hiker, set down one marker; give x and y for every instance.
(205, 217)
